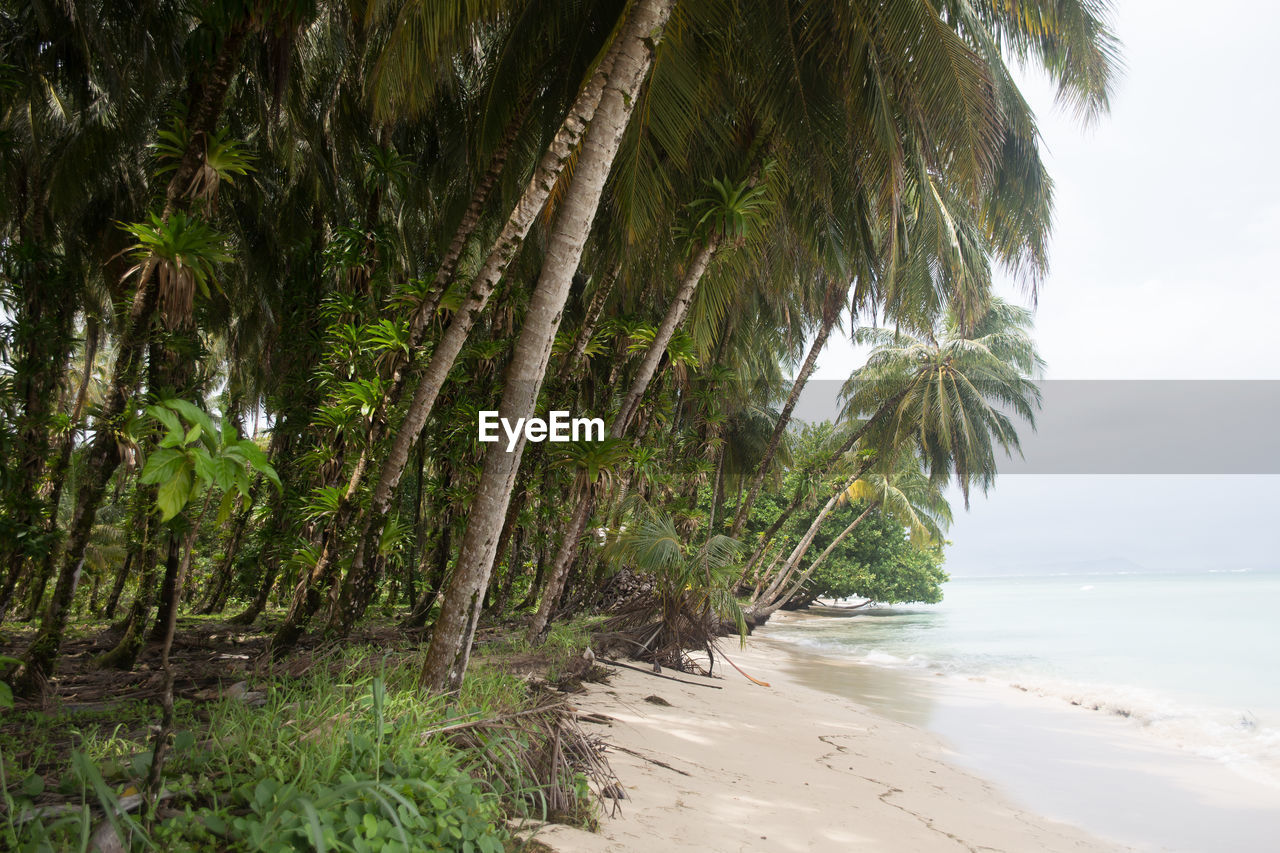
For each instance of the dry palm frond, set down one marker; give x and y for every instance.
(539, 756)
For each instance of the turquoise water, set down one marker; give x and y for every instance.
(1193, 659)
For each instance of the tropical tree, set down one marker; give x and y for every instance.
(450, 649)
(900, 492)
(692, 593)
(951, 400)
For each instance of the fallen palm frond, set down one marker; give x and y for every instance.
(540, 756)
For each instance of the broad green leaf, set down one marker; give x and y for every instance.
(229, 470)
(225, 507)
(192, 414)
(161, 465)
(206, 467)
(166, 417)
(175, 492)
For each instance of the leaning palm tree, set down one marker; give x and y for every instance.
(902, 492)
(949, 397)
(691, 595)
(723, 218)
(450, 650)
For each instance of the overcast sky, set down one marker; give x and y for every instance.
(1167, 221)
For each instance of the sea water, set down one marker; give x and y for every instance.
(1191, 659)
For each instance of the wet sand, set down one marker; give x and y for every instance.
(789, 767)
(1095, 770)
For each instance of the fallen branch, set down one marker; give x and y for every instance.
(661, 764)
(744, 675)
(660, 675)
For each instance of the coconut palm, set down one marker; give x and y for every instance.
(691, 597)
(947, 398)
(723, 218)
(900, 491)
(450, 649)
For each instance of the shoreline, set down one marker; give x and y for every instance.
(1096, 766)
(787, 767)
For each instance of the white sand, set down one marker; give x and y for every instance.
(787, 767)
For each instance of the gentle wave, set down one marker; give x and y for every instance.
(1238, 738)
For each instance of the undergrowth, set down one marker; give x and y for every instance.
(349, 757)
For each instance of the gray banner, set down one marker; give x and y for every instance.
(1132, 426)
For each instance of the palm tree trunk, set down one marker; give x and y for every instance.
(589, 321)
(418, 532)
(43, 342)
(572, 539)
(449, 653)
(830, 313)
(802, 547)
(117, 586)
(270, 568)
(161, 742)
(766, 609)
(884, 411)
(800, 581)
(350, 600)
(434, 579)
(357, 588)
(220, 584)
(126, 651)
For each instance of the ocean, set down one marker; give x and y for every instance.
(1187, 664)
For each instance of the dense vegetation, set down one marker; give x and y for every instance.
(263, 262)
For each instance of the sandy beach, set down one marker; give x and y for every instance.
(787, 767)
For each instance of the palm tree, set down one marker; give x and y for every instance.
(724, 218)
(948, 398)
(351, 598)
(450, 649)
(692, 593)
(104, 451)
(901, 492)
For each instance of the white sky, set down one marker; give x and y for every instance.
(1167, 221)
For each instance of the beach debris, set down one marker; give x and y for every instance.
(744, 675)
(664, 765)
(544, 744)
(657, 700)
(656, 675)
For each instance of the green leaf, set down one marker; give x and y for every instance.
(192, 435)
(175, 492)
(33, 785)
(166, 417)
(192, 414)
(225, 507)
(229, 469)
(6, 696)
(206, 467)
(162, 465)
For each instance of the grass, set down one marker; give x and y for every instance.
(347, 756)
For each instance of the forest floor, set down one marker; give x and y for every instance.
(232, 703)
